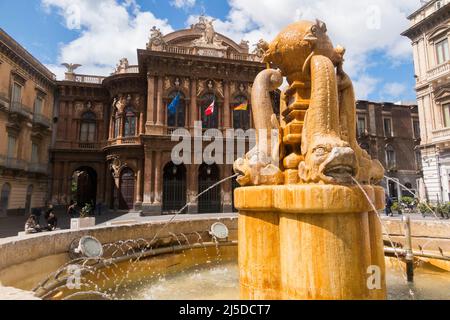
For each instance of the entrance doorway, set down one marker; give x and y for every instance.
(209, 202)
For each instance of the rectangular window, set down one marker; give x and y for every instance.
(361, 126)
(11, 147)
(416, 128)
(442, 51)
(387, 122)
(16, 93)
(34, 153)
(87, 133)
(38, 103)
(446, 112)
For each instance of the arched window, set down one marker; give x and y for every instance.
(116, 123)
(130, 122)
(28, 199)
(209, 121)
(390, 157)
(88, 127)
(4, 199)
(177, 116)
(241, 113)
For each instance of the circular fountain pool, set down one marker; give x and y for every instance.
(181, 268)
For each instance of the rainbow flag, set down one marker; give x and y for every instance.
(242, 107)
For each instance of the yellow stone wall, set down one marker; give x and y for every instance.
(25, 136)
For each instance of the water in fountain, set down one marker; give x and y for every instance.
(191, 202)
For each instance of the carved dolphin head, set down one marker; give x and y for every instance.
(328, 160)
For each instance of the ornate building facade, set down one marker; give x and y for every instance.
(26, 109)
(113, 138)
(391, 133)
(430, 36)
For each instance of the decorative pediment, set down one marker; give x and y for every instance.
(442, 94)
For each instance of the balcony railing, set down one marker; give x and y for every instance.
(130, 140)
(439, 71)
(19, 108)
(89, 79)
(42, 120)
(15, 164)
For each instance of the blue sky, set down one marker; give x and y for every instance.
(378, 58)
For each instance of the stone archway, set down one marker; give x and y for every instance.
(210, 202)
(174, 188)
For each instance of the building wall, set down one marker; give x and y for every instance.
(403, 141)
(18, 168)
(430, 25)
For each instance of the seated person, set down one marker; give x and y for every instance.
(52, 222)
(31, 226)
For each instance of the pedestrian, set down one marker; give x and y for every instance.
(388, 209)
(31, 225)
(36, 213)
(48, 212)
(71, 210)
(52, 222)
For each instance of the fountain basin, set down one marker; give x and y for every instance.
(199, 272)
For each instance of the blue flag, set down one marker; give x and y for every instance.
(174, 104)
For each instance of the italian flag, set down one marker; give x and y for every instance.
(210, 110)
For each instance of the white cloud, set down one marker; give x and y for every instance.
(394, 90)
(109, 30)
(363, 27)
(112, 29)
(183, 3)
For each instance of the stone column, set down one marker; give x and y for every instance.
(157, 176)
(193, 106)
(226, 106)
(192, 188)
(138, 200)
(141, 123)
(159, 103)
(148, 178)
(120, 135)
(308, 242)
(150, 103)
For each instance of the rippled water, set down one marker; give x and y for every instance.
(221, 281)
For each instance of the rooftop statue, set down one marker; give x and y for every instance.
(209, 37)
(156, 38)
(317, 142)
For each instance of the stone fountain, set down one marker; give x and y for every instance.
(306, 231)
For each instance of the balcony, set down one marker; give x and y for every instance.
(441, 135)
(42, 120)
(38, 168)
(21, 109)
(12, 163)
(439, 71)
(125, 141)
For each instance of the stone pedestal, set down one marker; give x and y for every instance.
(309, 242)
